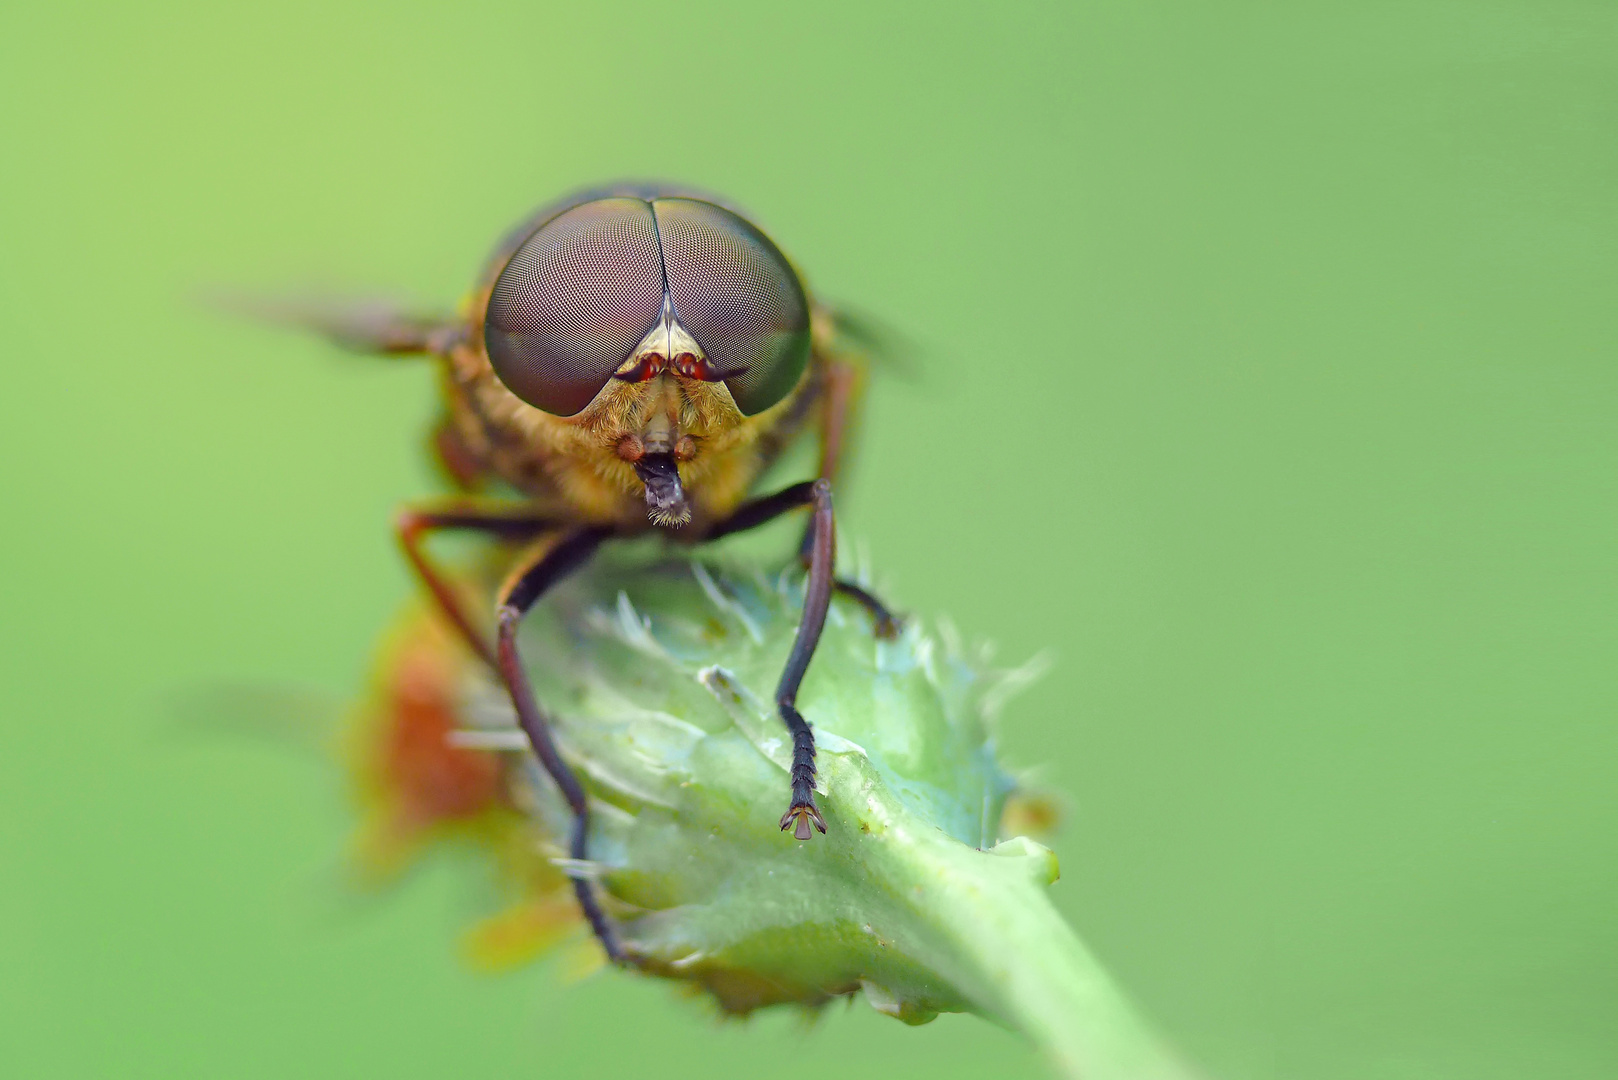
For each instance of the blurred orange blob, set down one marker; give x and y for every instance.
(419, 790)
(414, 782)
(432, 779)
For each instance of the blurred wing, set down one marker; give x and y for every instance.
(359, 324)
(868, 338)
(296, 717)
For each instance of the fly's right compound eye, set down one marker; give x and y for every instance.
(574, 301)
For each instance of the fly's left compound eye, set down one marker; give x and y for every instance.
(738, 296)
(573, 301)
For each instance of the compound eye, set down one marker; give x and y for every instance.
(573, 303)
(738, 296)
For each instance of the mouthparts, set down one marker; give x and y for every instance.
(665, 498)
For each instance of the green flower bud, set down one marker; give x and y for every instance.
(659, 683)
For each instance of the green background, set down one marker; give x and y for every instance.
(1266, 376)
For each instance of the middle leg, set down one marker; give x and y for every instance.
(842, 389)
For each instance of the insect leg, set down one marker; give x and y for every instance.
(762, 511)
(525, 586)
(843, 387)
(802, 812)
(816, 599)
(415, 523)
(885, 623)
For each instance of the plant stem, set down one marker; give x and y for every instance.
(983, 921)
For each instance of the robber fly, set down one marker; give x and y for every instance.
(631, 361)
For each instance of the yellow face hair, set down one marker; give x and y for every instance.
(620, 458)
